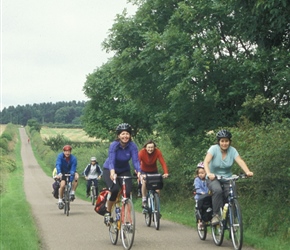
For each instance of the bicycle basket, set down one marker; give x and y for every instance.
(154, 181)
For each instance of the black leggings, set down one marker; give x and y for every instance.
(114, 188)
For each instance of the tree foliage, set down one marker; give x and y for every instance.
(185, 67)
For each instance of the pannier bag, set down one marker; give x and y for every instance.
(55, 187)
(205, 207)
(101, 202)
(154, 181)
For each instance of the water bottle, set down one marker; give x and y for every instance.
(225, 210)
(117, 213)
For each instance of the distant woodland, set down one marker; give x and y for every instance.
(44, 113)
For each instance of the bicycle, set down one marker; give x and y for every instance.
(66, 195)
(153, 182)
(203, 214)
(232, 217)
(93, 194)
(123, 217)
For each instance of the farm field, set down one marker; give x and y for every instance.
(74, 134)
(2, 128)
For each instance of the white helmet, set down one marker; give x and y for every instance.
(93, 158)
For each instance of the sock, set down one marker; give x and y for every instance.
(144, 199)
(72, 192)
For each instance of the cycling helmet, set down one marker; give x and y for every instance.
(200, 165)
(67, 148)
(124, 127)
(223, 134)
(93, 159)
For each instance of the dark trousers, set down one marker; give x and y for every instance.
(114, 188)
(89, 184)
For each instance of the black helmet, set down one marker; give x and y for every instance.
(124, 127)
(223, 134)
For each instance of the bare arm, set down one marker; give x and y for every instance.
(243, 166)
(206, 162)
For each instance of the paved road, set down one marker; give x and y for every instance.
(84, 229)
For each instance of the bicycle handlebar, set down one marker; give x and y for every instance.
(233, 177)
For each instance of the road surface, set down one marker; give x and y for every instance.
(84, 228)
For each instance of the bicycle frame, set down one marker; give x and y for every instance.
(66, 195)
(93, 192)
(233, 218)
(123, 217)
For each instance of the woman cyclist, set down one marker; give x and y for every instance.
(121, 151)
(148, 157)
(219, 161)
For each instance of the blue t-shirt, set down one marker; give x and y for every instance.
(219, 166)
(119, 157)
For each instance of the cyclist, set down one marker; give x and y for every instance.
(66, 163)
(200, 189)
(218, 161)
(148, 157)
(121, 151)
(200, 181)
(93, 172)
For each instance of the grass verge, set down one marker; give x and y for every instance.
(18, 230)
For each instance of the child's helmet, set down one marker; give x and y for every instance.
(200, 165)
(93, 158)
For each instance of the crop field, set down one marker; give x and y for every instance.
(2, 128)
(74, 134)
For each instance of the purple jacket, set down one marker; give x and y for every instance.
(119, 157)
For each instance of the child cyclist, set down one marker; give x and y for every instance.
(200, 182)
(200, 189)
(93, 172)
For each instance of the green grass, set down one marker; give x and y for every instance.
(18, 230)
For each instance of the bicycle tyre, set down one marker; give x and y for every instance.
(113, 228)
(148, 213)
(66, 200)
(202, 233)
(218, 233)
(128, 224)
(93, 195)
(156, 212)
(236, 226)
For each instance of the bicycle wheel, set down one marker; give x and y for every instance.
(156, 212)
(201, 230)
(113, 228)
(236, 226)
(93, 195)
(66, 201)
(148, 213)
(218, 233)
(128, 224)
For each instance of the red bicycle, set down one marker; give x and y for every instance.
(123, 217)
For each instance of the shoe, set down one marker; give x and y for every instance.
(145, 210)
(107, 218)
(215, 220)
(60, 205)
(88, 195)
(144, 204)
(200, 226)
(72, 197)
(139, 193)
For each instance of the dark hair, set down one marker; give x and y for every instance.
(149, 142)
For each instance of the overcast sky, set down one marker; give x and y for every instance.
(48, 47)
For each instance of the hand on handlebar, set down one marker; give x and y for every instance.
(165, 176)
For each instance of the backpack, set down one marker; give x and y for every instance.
(100, 206)
(55, 187)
